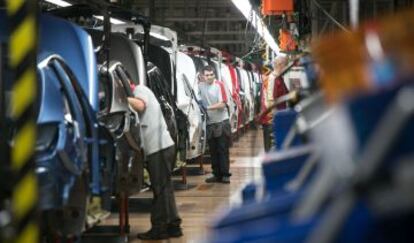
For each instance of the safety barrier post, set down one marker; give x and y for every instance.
(21, 62)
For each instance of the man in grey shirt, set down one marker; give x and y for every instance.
(213, 98)
(159, 150)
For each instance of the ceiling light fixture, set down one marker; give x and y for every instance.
(59, 3)
(354, 12)
(246, 9)
(113, 20)
(63, 4)
(159, 36)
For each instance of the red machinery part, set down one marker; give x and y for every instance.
(277, 7)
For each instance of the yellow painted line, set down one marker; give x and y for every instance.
(29, 234)
(24, 195)
(24, 142)
(14, 5)
(23, 93)
(22, 41)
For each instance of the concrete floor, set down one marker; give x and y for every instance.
(202, 203)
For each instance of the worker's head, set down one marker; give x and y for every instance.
(200, 77)
(208, 74)
(280, 63)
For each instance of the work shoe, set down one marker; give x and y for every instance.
(212, 179)
(153, 234)
(225, 180)
(174, 231)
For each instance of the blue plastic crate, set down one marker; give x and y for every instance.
(283, 121)
(281, 167)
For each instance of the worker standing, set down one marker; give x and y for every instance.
(266, 117)
(277, 86)
(213, 98)
(159, 150)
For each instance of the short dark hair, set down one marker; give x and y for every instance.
(207, 68)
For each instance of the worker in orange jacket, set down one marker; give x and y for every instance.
(266, 118)
(273, 87)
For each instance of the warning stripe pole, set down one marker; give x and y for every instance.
(22, 20)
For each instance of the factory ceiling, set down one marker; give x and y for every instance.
(218, 23)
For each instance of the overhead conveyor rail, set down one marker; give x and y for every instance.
(108, 11)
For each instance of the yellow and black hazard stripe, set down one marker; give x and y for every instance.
(22, 21)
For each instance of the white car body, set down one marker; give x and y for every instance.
(244, 102)
(157, 32)
(249, 95)
(257, 90)
(258, 83)
(252, 84)
(183, 68)
(187, 96)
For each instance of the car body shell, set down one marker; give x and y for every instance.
(115, 113)
(68, 164)
(187, 101)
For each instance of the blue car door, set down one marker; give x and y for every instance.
(76, 123)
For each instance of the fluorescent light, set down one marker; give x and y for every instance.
(59, 3)
(246, 9)
(113, 20)
(116, 21)
(62, 3)
(159, 36)
(354, 12)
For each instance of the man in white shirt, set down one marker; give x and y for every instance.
(159, 150)
(276, 87)
(218, 125)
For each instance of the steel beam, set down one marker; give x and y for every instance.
(209, 19)
(188, 4)
(315, 16)
(220, 33)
